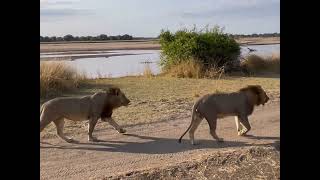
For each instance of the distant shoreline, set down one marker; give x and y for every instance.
(72, 58)
(133, 45)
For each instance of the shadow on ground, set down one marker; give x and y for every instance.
(155, 145)
(260, 75)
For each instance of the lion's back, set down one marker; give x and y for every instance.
(226, 102)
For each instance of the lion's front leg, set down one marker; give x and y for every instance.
(91, 126)
(244, 121)
(114, 125)
(240, 127)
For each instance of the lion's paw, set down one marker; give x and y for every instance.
(93, 139)
(122, 131)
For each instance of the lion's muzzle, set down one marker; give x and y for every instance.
(127, 102)
(266, 100)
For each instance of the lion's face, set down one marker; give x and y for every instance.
(124, 100)
(263, 97)
(118, 97)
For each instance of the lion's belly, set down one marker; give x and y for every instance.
(222, 115)
(77, 117)
(77, 114)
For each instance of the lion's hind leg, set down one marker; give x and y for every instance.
(43, 124)
(212, 121)
(44, 121)
(60, 125)
(195, 124)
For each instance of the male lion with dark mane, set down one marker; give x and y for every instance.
(98, 105)
(213, 106)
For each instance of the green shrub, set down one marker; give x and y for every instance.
(210, 47)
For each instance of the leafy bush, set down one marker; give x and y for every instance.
(210, 47)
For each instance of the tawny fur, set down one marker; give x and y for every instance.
(213, 106)
(92, 108)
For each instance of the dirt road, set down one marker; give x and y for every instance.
(151, 146)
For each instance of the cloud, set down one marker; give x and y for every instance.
(53, 10)
(57, 3)
(61, 14)
(144, 17)
(237, 10)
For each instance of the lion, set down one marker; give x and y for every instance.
(213, 106)
(92, 107)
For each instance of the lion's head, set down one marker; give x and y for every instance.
(258, 92)
(116, 97)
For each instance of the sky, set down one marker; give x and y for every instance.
(146, 18)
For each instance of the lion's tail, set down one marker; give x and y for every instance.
(41, 108)
(193, 117)
(42, 120)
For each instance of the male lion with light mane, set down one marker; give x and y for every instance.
(213, 106)
(98, 105)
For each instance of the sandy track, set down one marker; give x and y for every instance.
(151, 145)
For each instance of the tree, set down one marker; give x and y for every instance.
(68, 37)
(46, 39)
(127, 37)
(59, 39)
(53, 39)
(102, 37)
(112, 37)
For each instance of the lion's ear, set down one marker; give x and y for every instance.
(259, 87)
(117, 90)
(113, 91)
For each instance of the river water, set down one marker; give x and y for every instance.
(134, 62)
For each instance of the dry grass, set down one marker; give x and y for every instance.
(161, 97)
(192, 69)
(255, 64)
(147, 72)
(188, 69)
(57, 78)
(214, 72)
